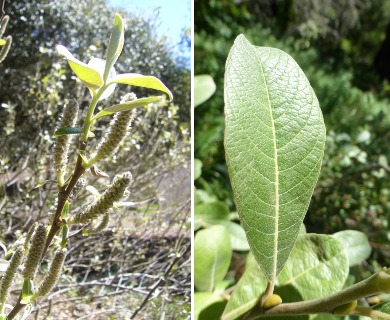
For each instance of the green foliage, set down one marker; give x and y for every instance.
(73, 160)
(265, 106)
(273, 150)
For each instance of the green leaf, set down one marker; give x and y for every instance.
(67, 130)
(248, 290)
(204, 88)
(65, 210)
(203, 300)
(126, 106)
(237, 235)
(357, 245)
(88, 75)
(383, 307)
(212, 255)
(197, 168)
(206, 213)
(139, 80)
(317, 266)
(27, 291)
(274, 142)
(2, 42)
(115, 45)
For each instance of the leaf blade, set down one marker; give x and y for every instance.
(140, 80)
(115, 45)
(212, 255)
(126, 106)
(89, 76)
(278, 140)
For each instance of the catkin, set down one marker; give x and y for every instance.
(9, 275)
(117, 130)
(99, 227)
(101, 206)
(61, 147)
(35, 252)
(53, 274)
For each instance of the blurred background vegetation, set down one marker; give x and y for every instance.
(130, 257)
(343, 48)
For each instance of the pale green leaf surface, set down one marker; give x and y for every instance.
(115, 46)
(247, 292)
(274, 142)
(197, 168)
(204, 88)
(88, 75)
(383, 307)
(357, 245)
(212, 255)
(99, 65)
(139, 80)
(317, 266)
(237, 235)
(206, 213)
(202, 300)
(126, 106)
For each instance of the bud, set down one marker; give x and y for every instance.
(9, 275)
(105, 202)
(35, 252)
(53, 274)
(272, 301)
(117, 130)
(61, 147)
(99, 227)
(4, 51)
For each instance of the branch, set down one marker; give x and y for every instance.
(377, 283)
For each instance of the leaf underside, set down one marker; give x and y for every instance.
(274, 143)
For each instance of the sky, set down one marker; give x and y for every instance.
(174, 17)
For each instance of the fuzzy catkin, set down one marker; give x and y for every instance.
(105, 202)
(61, 147)
(10, 274)
(35, 252)
(99, 227)
(53, 274)
(117, 130)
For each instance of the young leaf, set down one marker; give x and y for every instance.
(126, 106)
(204, 88)
(88, 75)
(2, 42)
(67, 130)
(212, 255)
(317, 261)
(139, 80)
(202, 301)
(115, 45)
(274, 142)
(247, 292)
(357, 245)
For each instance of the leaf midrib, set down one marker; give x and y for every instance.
(276, 233)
